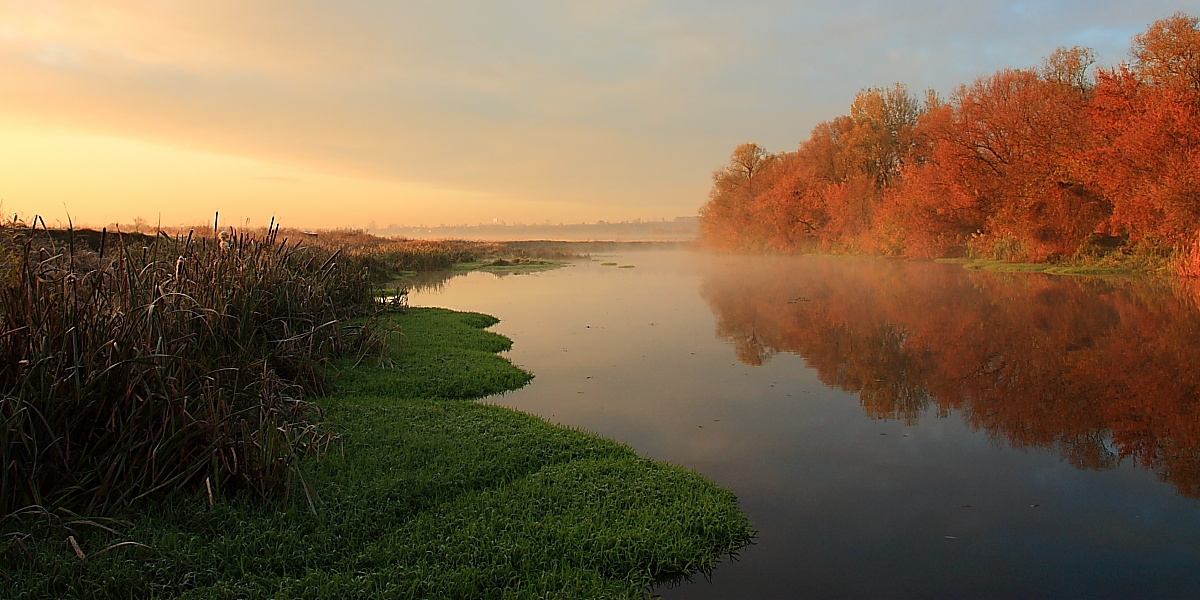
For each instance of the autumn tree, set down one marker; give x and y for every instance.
(790, 218)
(1002, 157)
(1147, 117)
(826, 193)
(1167, 55)
(881, 135)
(747, 162)
(727, 221)
(1070, 67)
(930, 211)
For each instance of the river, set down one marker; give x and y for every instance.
(892, 429)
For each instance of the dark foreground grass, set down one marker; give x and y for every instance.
(423, 497)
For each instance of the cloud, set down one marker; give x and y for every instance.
(613, 105)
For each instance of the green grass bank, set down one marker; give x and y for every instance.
(424, 494)
(1085, 268)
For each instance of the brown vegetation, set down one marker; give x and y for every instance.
(144, 364)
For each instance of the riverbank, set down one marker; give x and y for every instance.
(423, 495)
(1098, 269)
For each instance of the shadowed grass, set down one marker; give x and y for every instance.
(424, 497)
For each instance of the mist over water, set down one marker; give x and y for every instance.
(893, 429)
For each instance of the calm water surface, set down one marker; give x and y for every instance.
(892, 429)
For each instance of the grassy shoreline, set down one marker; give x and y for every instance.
(1099, 269)
(424, 495)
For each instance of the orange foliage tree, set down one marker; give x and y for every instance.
(824, 194)
(1002, 156)
(1147, 117)
(1023, 164)
(731, 208)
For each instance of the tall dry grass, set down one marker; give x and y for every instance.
(132, 369)
(386, 258)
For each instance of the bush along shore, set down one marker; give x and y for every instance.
(234, 418)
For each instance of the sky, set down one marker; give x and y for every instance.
(367, 113)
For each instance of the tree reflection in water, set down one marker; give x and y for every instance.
(434, 281)
(1099, 370)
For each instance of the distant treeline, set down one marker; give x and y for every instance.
(1054, 163)
(678, 229)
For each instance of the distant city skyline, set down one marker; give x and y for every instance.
(337, 115)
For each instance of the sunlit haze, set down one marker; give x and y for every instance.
(366, 113)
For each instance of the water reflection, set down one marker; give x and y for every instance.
(902, 505)
(435, 281)
(1100, 371)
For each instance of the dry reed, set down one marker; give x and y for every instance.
(132, 369)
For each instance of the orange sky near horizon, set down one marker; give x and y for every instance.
(363, 113)
(95, 180)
